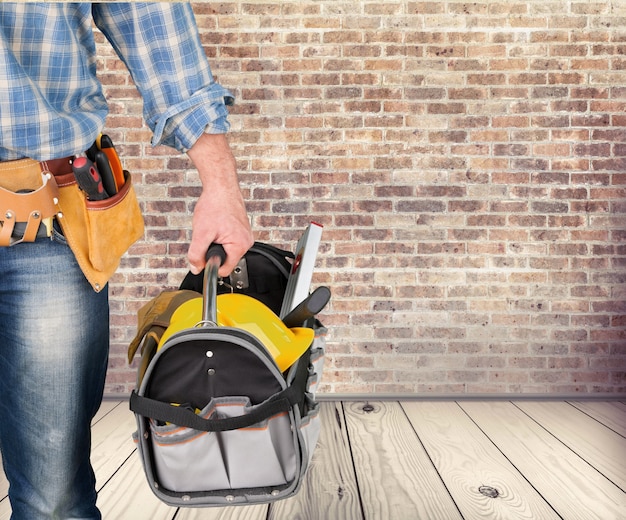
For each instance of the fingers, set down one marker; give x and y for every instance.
(233, 255)
(230, 230)
(234, 252)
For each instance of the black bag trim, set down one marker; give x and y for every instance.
(165, 412)
(270, 252)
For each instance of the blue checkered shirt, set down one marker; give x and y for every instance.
(51, 103)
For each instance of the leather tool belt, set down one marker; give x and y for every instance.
(98, 232)
(29, 198)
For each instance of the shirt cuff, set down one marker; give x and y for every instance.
(182, 124)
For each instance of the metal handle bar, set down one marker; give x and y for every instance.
(215, 256)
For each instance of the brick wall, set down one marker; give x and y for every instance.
(467, 160)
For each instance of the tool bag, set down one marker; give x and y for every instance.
(217, 422)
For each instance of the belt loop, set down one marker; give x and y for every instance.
(7, 228)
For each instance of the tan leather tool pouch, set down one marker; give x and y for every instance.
(99, 232)
(152, 320)
(27, 196)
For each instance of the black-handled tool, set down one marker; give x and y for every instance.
(106, 173)
(308, 308)
(88, 179)
(91, 152)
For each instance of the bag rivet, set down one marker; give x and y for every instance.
(186, 498)
(8, 215)
(229, 498)
(36, 214)
(209, 353)
(275, 492)
(211, 371)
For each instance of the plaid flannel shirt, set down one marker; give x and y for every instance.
(51, 103)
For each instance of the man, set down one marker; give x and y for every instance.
(53, 325)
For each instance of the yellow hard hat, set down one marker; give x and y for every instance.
(244, 312)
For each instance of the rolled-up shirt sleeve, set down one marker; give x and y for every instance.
(160, 45)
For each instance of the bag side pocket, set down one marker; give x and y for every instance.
(258, 456)
(318, 350)
(310, 428)
(261, 455)
(188, 460)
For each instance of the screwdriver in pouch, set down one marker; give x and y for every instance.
(89, 179)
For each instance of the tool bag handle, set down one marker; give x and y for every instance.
(215, 257)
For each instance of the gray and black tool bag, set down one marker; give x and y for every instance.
(217, 422)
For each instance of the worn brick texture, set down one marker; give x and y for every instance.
(467, 161)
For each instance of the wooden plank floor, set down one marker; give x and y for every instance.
(413, 460)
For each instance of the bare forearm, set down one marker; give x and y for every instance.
(220, 214)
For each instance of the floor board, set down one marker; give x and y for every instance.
(111, 443)
(611, 414)
(255, 512)
(468, 462)
(598, 445)
(396, 477)
(571, 486)
(127, 496)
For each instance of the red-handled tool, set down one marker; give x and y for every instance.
(89, 179)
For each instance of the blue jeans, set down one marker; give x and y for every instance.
(54, 341)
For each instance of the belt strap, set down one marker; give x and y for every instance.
(19, 230)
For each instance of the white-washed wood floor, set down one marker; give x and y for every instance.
(413, 460)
